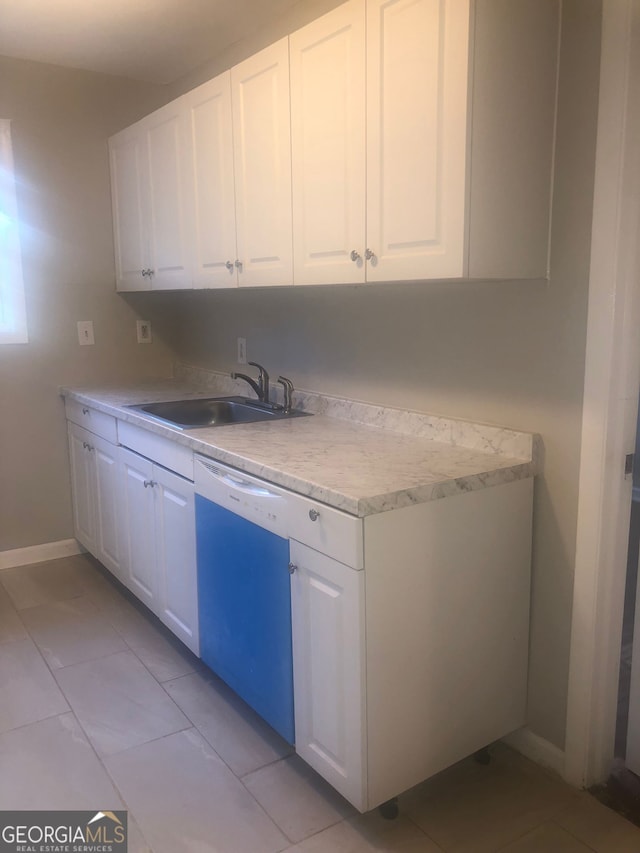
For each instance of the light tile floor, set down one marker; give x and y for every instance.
(101, 708)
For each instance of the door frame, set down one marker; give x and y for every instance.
(611, 387)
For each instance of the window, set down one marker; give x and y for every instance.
(13, 320)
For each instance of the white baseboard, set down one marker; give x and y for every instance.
(536, 748)
(39, 553)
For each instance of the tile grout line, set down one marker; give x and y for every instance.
(195, 728)
(573, 835)
(81, 727)
(87, 594)
(423, 831)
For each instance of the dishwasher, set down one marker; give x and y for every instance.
(244, 594)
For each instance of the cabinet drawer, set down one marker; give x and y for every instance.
(164, 451)
(327, 530)
(91, 419)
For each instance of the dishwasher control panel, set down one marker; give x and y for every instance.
(288, 514)
(248, 497)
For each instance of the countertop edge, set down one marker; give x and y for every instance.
(504, 470)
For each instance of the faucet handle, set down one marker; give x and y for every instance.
(287, 385)
(263, 381)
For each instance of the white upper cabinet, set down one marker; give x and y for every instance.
(262, 162)
(417, 72)
(214, 245)
(170, 196)
(152, 201)
(457, 143)
(328, 146)
(129, 199)
(388, 140)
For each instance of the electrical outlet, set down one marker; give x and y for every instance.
(143, 329)
(85, 333)
(242, 350)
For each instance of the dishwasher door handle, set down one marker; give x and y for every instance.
(249, 487)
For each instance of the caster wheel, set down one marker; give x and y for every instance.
(389, 810)
(482, 756)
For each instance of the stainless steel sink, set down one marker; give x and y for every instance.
(213, 411)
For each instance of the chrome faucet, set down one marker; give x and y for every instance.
(287, 386)
(261, 386)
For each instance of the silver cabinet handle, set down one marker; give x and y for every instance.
(85, 411)
(148, 483)
(229, 265)
(355, 256)
(292, 568)
(314, 515)
(87, 446)
(369, 255)
(238, 265)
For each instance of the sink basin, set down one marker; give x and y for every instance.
(213, 411)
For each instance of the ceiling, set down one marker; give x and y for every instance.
(153, 40)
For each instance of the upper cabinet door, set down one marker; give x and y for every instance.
(417, 73)
(214, 247)
(328, 147)
(127, 152)
(262, 159)
(170, 196)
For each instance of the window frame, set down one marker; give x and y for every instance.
(13, 317)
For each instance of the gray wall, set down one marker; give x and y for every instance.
(60, 123)
(297, 16)
(508, 353)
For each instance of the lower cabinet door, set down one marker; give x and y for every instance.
(327, 613)
(108, 507)
(176, 556)
(139, 532)
(83, 486)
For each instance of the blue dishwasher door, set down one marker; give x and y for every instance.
(244, 603)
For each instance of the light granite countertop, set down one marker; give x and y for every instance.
(359, 458)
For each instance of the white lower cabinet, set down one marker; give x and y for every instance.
(327, 617)
(419, 659)
(159, 538)
(139, 534)
(409, 627)
(96, 503)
